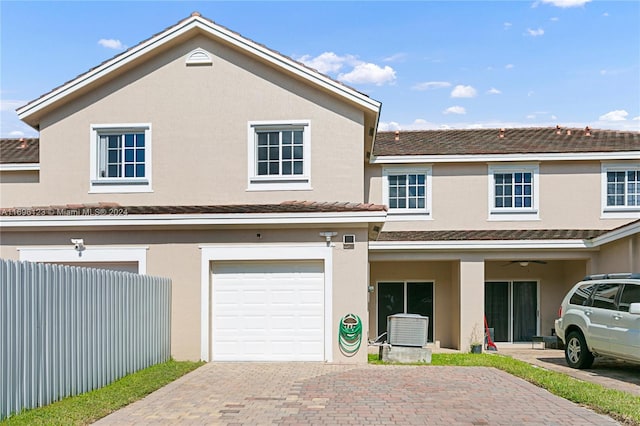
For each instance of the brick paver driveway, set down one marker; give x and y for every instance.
(327, 394)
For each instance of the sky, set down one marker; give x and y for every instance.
(432, 64)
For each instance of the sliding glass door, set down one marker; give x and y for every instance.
(511, 308)
(405, 297)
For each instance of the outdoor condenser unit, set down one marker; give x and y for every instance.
(407, 330)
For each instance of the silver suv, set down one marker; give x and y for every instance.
(601, 316)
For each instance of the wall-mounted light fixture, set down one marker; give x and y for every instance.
(328, 235)
(78, 244)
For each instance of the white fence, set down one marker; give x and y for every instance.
(67, 330)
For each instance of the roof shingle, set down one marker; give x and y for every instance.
(515, 141)
(19, 151)
(103, 208)
(493, 235)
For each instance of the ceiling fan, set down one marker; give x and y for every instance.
(524, 263)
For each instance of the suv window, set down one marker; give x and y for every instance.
(605, 296)
(630, 294)
(581, 295)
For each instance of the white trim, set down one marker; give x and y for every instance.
(226, 252)
(256, 182)
(616, 212)
(120, 218)
(514, 213)
(488, 158)
(198, 56)
(617, 234)
(89, 254)
(99, 185)
(479, 245)
(19, 167)
(408, 214)
(189, 24)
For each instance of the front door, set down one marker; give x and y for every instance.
(405, 298)
(511, 308)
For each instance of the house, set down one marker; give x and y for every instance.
(181, 157)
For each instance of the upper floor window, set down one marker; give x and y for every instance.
(279, 155)
(621, 187)
(407, 190)
(120, 158)
(513, 191)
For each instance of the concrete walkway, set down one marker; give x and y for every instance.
(328, 394)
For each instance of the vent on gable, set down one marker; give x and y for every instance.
(198, 56)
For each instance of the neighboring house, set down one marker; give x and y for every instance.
(499, 222)
(180, 156)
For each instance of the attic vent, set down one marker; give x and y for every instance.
(198, 57)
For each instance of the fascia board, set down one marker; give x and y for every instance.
(19, 167)
(478, 245)
(576, 156)
(616, 234)
(170, 34)
(186, 219)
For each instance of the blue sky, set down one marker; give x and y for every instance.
(432, 64)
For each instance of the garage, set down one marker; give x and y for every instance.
(268, 311)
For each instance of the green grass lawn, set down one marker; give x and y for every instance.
(622, 406)
(91, 406)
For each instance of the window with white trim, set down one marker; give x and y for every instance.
(513, 190)
(621, 187)
(279, 155)
(407, 190)
(121, 158)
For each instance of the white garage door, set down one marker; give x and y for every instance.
(268, 311)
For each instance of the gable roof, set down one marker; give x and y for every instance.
(19, 151)
(29, 112)
(514, 141)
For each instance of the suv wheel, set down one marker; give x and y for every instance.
(576, 352)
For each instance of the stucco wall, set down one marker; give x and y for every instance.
(176, 254)
(570, 198)
(199, 118)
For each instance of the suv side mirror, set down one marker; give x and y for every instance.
(634, 308)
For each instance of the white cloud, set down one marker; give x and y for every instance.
(395, 57)
(605, 14)
(531, 116)
(617, 115)
(428, 85)
(535, 33)
(530, 93)
(555, 19)
(461, 91)
(509, 66)
(16, 134)
(390, 126)
(368, 73)
(636, 118)
(328, 62)
(507, 25)
(10, 104)
(361, 72)
(455, 110)
(493, 91)
(111, 43)
(566, 3)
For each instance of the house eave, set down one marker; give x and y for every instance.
(468, 245)
(487, 158)
(19, 167)
(30, 110)
(153, 220)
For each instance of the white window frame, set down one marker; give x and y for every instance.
(408, 213)
(514, 213)
(119, 185)
(271, 182)
(91, 254)
(625, 211)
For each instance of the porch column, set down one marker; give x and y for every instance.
(471, 280)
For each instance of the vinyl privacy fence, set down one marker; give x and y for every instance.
(67, 330)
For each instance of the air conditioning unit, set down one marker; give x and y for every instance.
(407, 330)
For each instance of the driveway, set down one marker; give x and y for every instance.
(610, 373)
(328, 394)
